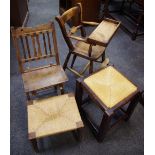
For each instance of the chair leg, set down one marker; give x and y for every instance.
(91, 67)
(74, 58)
(134, 35)
(66, 61)
(34, 144)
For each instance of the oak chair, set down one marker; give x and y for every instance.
(38, 58)
(82, 48)
(113, 93)
(51, 116)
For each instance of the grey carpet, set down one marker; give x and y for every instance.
(124, 139)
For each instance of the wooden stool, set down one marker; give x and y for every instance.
(53, 115)
(110, 90)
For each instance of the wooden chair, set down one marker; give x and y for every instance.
(51, 116)
(82, 47)
(38, 58)
(113, 93)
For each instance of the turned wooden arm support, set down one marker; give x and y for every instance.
(77, 38)
(74, 29)
(90, 23)
(83, 40)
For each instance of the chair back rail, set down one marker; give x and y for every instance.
(65, 17)
(35, 43)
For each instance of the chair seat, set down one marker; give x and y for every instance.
(110, 86)
(53, 115)
(83, 48)
(43, 78)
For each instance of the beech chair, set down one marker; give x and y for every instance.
(51, 116)
(82, 48)
(38, 58)
(113, 93)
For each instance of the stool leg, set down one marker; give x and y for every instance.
(78, 93)
(77, 135)
(104, 126)
(131, 107)
(28, 96)
(34, 144)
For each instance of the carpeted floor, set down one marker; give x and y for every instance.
(124, 139)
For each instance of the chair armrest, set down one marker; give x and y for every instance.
(77, 38)
(90, 23)
(74, 29)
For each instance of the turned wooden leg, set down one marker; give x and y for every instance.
(34, 144)
(91, 67)
(66, 61)
(131, 107)
(74, 58)
(28, 95)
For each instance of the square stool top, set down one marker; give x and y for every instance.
(53, 115)
(110, 86)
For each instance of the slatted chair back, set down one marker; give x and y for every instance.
(65, 17)
(35, 43)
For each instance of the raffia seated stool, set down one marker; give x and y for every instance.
(111, 91)
(53, 115)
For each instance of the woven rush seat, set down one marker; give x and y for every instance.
(83, 48)
(53, 115)
(44, 77)
(110, 86)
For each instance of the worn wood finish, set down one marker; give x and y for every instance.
(38, 43)
(43, 77)
(104, 32)
(82, 48)
(108, 112)
(53, 115)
